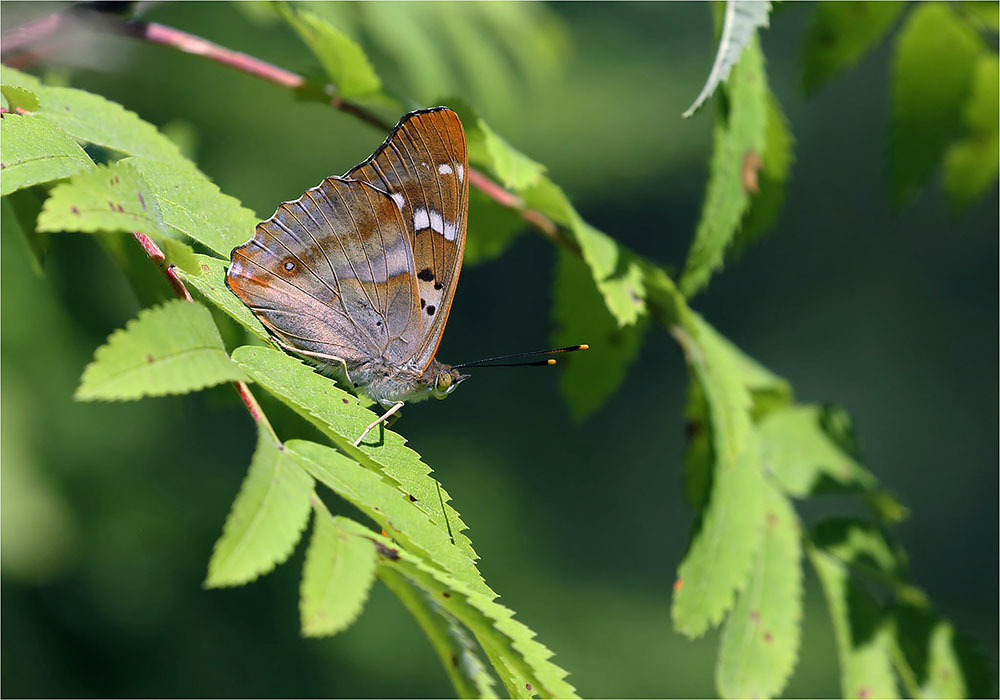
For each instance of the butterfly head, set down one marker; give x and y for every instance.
(446, 380)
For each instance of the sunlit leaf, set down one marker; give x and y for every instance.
(580, 315)
(12, 76)
(211, 282)
(490, 151)
(342, 58)
(723, 548)
(266, 520)
(862, 631)
(523, 663)
(336, 578)
(839, 35)
(739, 141)
(926, 114)
(340, 417)
(34, 151)
(771, 180)
(192, 205)
(971, 164)
(458, 651)
(106, 198)
(19, 98)
(760, 640)
(94, 119)
(800, 454)
(170, 349)
(383, 503)
(740, 22)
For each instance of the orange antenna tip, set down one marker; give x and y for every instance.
(551, 361)
(585, 347)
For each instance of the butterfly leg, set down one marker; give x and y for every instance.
(317, 355)
(385, 416)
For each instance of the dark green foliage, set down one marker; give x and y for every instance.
(752, 448)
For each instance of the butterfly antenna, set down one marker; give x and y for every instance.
(499, 361)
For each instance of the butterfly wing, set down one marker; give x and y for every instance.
(332, 273)
(423, 166)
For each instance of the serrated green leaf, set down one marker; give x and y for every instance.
(736, 154)
(458, 652)
(491, 151)
(618, 273)
(772, 180)
(942, 663)
(862, 631)
(19, 98)
(336, 578)
(170, 349)
(926, 114)
(340, 417)
(180, 255)
(971, 164)
(341, 57)
(860, 545)
(384, 504)
(522, 662)
(839, 35)
(580, 315)
(266, 520)
(722, 551)
(760, 641)
(804, 459)
(94, 119)
(106, 198)
(740, 22)
(33, 151)
(211, 282)
(492, 229)
(192, 205)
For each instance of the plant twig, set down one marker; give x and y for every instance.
(154, 253)
(195, 45)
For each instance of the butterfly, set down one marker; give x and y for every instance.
(359, 273)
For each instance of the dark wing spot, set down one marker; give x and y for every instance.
(423, 303)
(438, 285)
(289, 266)
(426, 275)
(431, 310)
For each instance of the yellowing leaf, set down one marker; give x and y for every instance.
(170, 349)
(266, 520)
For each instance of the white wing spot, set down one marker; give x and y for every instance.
(398, 199)
(444, 169)
(461, 172)
(450, 230)
(420, 220)
(437, 222)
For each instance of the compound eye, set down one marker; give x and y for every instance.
(443, 381)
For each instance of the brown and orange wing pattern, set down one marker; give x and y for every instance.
(423, 166)
(332, 273)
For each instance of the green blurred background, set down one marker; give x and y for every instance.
(110, 511)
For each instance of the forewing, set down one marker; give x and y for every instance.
(423, 166)
(332, 273)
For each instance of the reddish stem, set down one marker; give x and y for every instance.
(154, 253)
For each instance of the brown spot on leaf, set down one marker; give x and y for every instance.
(772, 519)
(111, 205)
(751, 165)
(120, 207)
(454, 660)
(345, 400)
(527, 686)
(755, 616)
(387, 552)
(864, 692)
(413, 499)
(75, 210)
(141, 200)
(678, 584)
(446, 594)
(205, 268)
(768, 637)
(150, 359)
